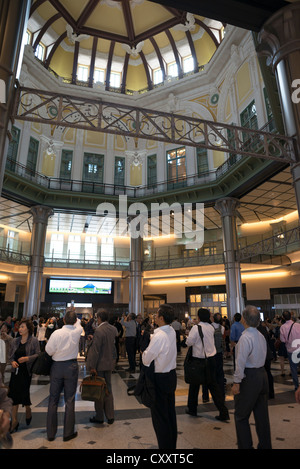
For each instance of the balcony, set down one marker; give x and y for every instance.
(273, 250)
(279, 245)
(25, 184)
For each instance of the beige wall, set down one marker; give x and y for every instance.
(257, 288)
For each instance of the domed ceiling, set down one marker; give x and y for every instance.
(132, 38)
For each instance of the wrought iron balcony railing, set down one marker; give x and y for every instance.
(14, 257)
(173, 262)
(98, 264)
(92, 187)
(272, 250)
(280, 244)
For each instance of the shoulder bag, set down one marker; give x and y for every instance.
(196, 370)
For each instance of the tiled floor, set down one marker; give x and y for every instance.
(132, 428)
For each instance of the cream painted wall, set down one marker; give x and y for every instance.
(62, 62)
(243, 82)
(256, 289)
(261, 289)
(136, 175)
(204, 48)
(175, 293)
(10, 292)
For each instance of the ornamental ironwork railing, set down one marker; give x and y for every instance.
(173, 262)
(79, 263)
(92, 187)
(275, 245)
(272, 250)
(62, 110)
(14, 257)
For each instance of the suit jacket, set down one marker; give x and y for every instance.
(102, 352)
(32, 348)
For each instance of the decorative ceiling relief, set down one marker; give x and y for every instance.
(73, 37)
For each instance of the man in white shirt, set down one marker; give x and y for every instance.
(251, 388)
(163, 351)
(209, 351)
(63, 347)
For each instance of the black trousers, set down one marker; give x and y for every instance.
(163, 413)
(214, 389)
(253, 397)
(220, 377)
(130, 343)
(178, 342)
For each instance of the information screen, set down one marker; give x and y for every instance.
(94, 287)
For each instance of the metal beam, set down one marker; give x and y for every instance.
(101, 116)
(245, 14)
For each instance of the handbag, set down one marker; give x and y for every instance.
(196, 370)
(42, 364)
(93, 388)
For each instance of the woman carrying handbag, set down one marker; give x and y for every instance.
(25, 349)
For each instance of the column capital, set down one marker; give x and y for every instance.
(227, 206)
(280, 35)
(41, 213)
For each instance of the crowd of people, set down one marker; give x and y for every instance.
(252, 344)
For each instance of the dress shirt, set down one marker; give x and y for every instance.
(250, 352)
(195, 341)
(162, 349)
(236, 330)
(294, 335)
(130, 327)
(63, 343)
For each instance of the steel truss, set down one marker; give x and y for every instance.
(61, 110)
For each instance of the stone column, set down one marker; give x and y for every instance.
(227, 209)
(13, 21)
(136, 304)
(35, 272)
(279, 40)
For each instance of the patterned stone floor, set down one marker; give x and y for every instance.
(132, 429)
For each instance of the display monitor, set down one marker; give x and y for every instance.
(75, 287)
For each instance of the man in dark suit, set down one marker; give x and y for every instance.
(101, 361)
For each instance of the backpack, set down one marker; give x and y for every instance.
(219, 339)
